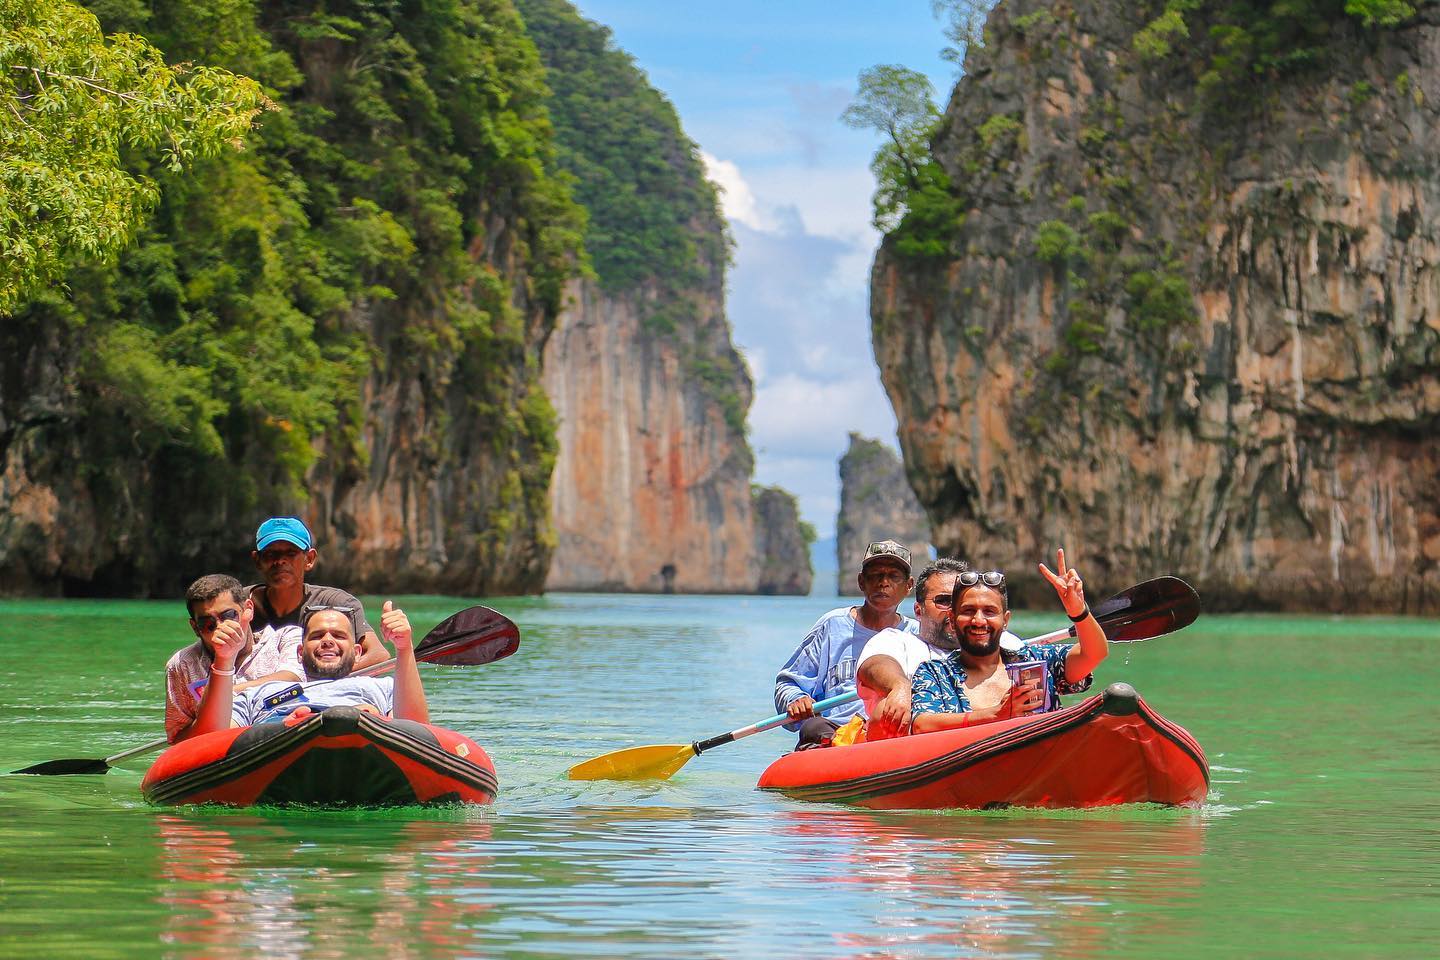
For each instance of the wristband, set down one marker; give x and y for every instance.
(222, 673)
(1082, 615)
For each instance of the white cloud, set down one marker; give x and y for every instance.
(737, 200)
(798, 305)
(803, 416)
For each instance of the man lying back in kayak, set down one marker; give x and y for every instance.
(328, 653)
(221, 614)
(891, 657)
(971, 685)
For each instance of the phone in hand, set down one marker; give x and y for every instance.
(1024, 671)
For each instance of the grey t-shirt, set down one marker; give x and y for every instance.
(315, 596)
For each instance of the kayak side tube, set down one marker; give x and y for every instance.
(340, 756)
(1111, 748)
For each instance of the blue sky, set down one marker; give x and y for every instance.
(760, 88)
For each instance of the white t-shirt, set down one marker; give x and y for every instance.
(276, 700)
(909, 651)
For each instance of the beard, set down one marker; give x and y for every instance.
(938, 634)
(334, 670)
(981, 648)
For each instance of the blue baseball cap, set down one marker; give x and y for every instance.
(289, 529)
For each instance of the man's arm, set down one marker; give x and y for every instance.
(1017, 703)
(798, 682)
(1093, 647)
(885, 684)
(219, 696)
(409, 691)
(372, 651)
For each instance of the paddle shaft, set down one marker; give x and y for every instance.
(700, 746)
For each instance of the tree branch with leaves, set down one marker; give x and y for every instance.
(72, 101)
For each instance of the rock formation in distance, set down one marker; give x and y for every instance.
(876, 503)
(782, 542)
(652, 483)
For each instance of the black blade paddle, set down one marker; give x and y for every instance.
(1150, 609)
(474, 636)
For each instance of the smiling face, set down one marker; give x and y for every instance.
(978, 616)
(884, 583)
(283, 565)
(328, 650)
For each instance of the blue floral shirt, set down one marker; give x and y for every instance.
(939, 685)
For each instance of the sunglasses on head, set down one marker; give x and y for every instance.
(205, 622)
(309, 612)
(990, 578)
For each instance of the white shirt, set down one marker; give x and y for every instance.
(909, 650)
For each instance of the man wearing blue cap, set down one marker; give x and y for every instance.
(284, 552)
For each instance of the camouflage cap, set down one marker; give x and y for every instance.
(888, 549)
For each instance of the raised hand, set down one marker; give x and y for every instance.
(396, 627)
(1067, 583)
(227, 643)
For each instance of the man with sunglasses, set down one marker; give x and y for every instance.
(891, 657)
(824, 664)
(329, 655)
(222, 617)
(971, 685)
(284, 552)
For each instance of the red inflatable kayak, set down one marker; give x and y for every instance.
(339, 757)
(1110, 749)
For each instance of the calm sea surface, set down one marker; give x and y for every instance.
(1321, 836)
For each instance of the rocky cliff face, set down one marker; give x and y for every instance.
(876, 503)
(651, 491)
(783, 549)
(1183, 327)
(652, 485)
(401, 249)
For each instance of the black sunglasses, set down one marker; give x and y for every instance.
(205, 623)
(991, 578)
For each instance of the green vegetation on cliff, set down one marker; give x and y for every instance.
(652, 212)
(398, 216)
(914, 201)
(72, 102)
(1235, 42)
(654, 218)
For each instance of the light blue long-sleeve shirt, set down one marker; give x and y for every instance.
(824, 663)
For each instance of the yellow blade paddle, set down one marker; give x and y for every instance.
(660, 762)
(637, 763)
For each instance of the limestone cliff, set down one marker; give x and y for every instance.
(1189, 319)
(342, 321)
(651, 489)
(782, 542)
(876, 503)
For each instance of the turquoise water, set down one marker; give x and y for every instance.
(1321, 835)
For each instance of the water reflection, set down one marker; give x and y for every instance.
(654, 880)
(976, 886)
(246, 884)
